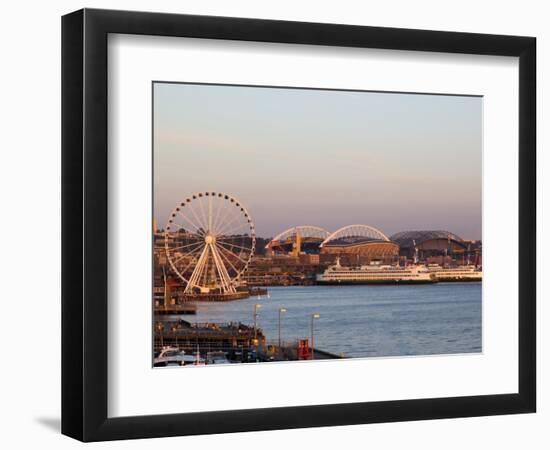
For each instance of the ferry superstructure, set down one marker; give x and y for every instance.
(458, 273)
(375, 274)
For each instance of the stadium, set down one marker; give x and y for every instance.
(362, 241)
(429, 243)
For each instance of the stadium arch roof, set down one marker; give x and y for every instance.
(406, 238)
(352, 234)
(305, 231)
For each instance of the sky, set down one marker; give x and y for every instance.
(319, 157)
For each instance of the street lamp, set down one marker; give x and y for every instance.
(160, 328)
(313, 317)
(256, 307)
(174, 330)
(281, 310)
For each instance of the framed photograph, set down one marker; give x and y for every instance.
(272, 224)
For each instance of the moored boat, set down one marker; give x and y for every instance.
(172, 356)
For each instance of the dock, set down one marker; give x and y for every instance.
(210, 297)
(211, 336)
(240, 342)
(183, 308)
(295, 352)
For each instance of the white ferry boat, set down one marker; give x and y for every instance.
(375, 274)
(459, 273)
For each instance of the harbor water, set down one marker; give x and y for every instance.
(365, 321)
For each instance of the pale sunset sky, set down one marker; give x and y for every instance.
(316, 157)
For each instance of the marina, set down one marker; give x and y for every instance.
(364, 321)
(179, 342)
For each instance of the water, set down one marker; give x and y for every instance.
(362, 321)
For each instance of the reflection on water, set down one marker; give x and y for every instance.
(362, 321)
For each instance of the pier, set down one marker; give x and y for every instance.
(212, 336)
(239, 342)
(183, 308)
(218, 297)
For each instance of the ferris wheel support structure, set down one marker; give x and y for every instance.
(209, 242)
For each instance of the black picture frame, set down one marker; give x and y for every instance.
(84, 224)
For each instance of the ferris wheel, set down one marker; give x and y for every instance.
(209, 242)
